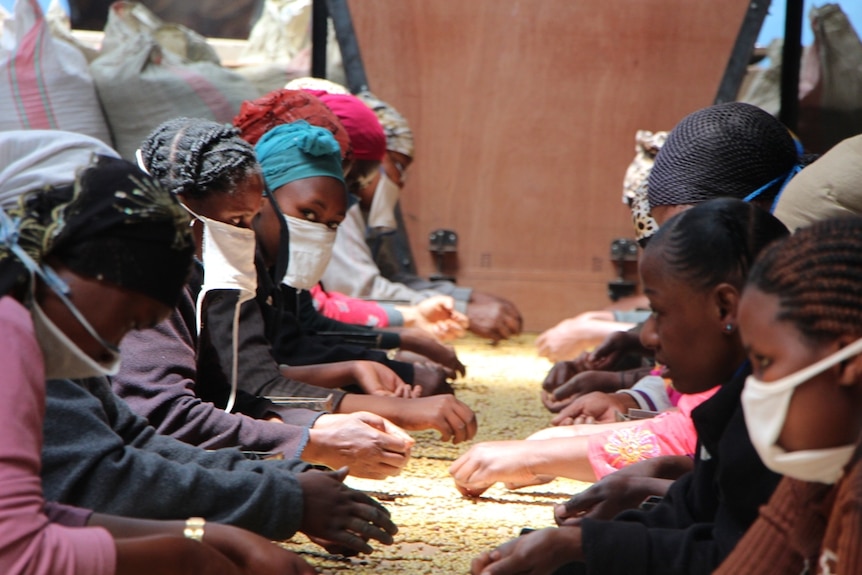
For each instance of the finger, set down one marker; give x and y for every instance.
(366, 530)
(398, 440)
(416, 391)
(340, 474)
(378, 517)
(463, 421)
(569, 388)
(480, 562)
(351, 541)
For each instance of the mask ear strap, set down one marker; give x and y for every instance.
(9, 234)
(282, 258)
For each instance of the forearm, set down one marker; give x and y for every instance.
(563, 457)
(328, 375)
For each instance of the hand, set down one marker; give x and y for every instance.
(452, 418)
(376, 379)
(419, 342)
(595, 407)
(493, 317)
(341, 515)
(253, 554)
(588, 381)
(438, 316)
(569, 337)
(609, 496)
(563, 371)
(615, 346)
(430, 379)
(538, 553)
(368, 444)
(492, 461)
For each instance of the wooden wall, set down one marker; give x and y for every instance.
(524, 113)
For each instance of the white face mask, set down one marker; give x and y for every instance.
(228, 255)
(63, 358)
(310, 251)
(765, 406)
(381, 216)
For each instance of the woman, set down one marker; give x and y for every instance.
(800, 321)
(693, 274)
(65, 307)
(295, 230)
(215, 175)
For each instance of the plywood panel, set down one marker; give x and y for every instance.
(524, 113)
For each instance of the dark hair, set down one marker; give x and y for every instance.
(198, 157)
(817, 276)
(716, 241)
(726, 150)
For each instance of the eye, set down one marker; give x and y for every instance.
(332, 225)
(309, 215)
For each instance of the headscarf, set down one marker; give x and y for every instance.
(647, 145)
(399, 137)
(295, 151)
(33, 159)
(828, 188)
(728, 150)
(256, 117)
(113, 223)
(311, 83)
(366, 133)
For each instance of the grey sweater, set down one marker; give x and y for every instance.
(99, 455)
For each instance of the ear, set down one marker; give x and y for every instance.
(725, 298)
(851, 369)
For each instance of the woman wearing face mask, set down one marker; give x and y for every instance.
(65, 307)
(215, 175)
(297, 224)
(800, 321)
(693, 273)
(361, 141)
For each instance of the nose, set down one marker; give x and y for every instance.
(649, 335)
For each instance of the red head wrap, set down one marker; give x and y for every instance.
(366, 133)
(257, 117)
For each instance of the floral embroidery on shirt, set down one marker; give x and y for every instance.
(631, 445)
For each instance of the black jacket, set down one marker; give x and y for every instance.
(705, 512)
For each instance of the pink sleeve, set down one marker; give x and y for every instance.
(335, 305)
(29, 543)
(670, 433)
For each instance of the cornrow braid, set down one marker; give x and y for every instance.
(196, 157)
(817, 276)
(716, 241)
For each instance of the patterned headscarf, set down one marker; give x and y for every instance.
(113, 223)
(728, 150)
(647, 145)
(399, 137)
(257, 117)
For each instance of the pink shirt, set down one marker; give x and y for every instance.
(29, 543)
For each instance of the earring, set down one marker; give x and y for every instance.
(728, 328)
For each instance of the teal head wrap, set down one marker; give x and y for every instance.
(298, 150)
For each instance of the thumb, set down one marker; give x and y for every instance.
(341, 474)
(396, 431)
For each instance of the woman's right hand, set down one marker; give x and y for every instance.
(335, 513)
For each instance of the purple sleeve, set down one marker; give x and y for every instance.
(157, 379)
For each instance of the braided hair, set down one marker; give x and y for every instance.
(817, 276)
(716, 241)
(197, 157)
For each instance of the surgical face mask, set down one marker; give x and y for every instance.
(63, 358)
(310, 251)
(765, 406)
(228, 257)
(381, 216)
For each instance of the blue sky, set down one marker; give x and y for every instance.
(773, 27)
